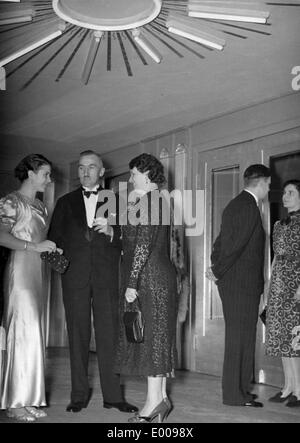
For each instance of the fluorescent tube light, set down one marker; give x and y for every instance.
(2, 79)
(193, 30)
(88, 67)
(218, 13)
(14, 20)
(144, 43)
(30, 48)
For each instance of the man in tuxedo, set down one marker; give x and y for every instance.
(90, 283)
(238, 270)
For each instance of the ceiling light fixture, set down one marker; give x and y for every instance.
(129, 27)
(198, 10)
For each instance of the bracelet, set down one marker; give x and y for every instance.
(26, 246)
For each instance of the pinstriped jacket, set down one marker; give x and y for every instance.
(238, 252)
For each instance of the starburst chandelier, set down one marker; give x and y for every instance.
(28, 27)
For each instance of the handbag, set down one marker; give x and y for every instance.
(57, 261)
(134, 325)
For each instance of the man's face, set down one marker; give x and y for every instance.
(264, 187)
(90, 170)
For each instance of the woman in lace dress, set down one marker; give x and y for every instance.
(283, 313)
(148, 273)
(23, 230)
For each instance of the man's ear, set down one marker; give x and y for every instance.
(102, 172)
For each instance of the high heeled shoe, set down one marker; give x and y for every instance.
(161, 412)
(168, 403)
(20, 415)
(36, 412)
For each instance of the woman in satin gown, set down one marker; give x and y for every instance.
(147, 273)
(23, 230)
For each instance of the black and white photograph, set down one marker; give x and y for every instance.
(149, 214)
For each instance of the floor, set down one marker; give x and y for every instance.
(196, 399)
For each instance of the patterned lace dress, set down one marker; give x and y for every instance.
(22, 381)
(283, 314)
(147, 267)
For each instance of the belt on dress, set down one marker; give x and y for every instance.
(288, 257)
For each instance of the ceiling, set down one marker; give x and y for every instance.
(115, 109)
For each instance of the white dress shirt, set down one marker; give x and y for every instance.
(253, 195)
(90, 206)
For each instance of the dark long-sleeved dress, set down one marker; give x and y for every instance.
(147, 267)
(283, 313)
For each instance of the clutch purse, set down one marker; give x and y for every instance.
(57, 262)
(134, 325)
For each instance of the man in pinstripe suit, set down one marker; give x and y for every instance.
(238, 269)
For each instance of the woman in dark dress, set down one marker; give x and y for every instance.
(148, 273)
(283, 313)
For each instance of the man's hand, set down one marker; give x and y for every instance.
(210, 275)
(130, 295)
(101, 226)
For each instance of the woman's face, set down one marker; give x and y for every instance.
(41, 178)
(291, 198)
(139, 180)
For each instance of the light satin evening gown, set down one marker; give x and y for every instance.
(25, 294)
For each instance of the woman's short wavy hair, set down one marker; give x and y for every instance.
(148, 163)
(32, 162)
(294, 182)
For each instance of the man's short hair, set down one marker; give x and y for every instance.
(255, 173)
(89, 152)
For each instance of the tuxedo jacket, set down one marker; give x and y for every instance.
(238, 252)
(92, 256)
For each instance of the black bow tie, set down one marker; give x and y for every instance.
(87, 194)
